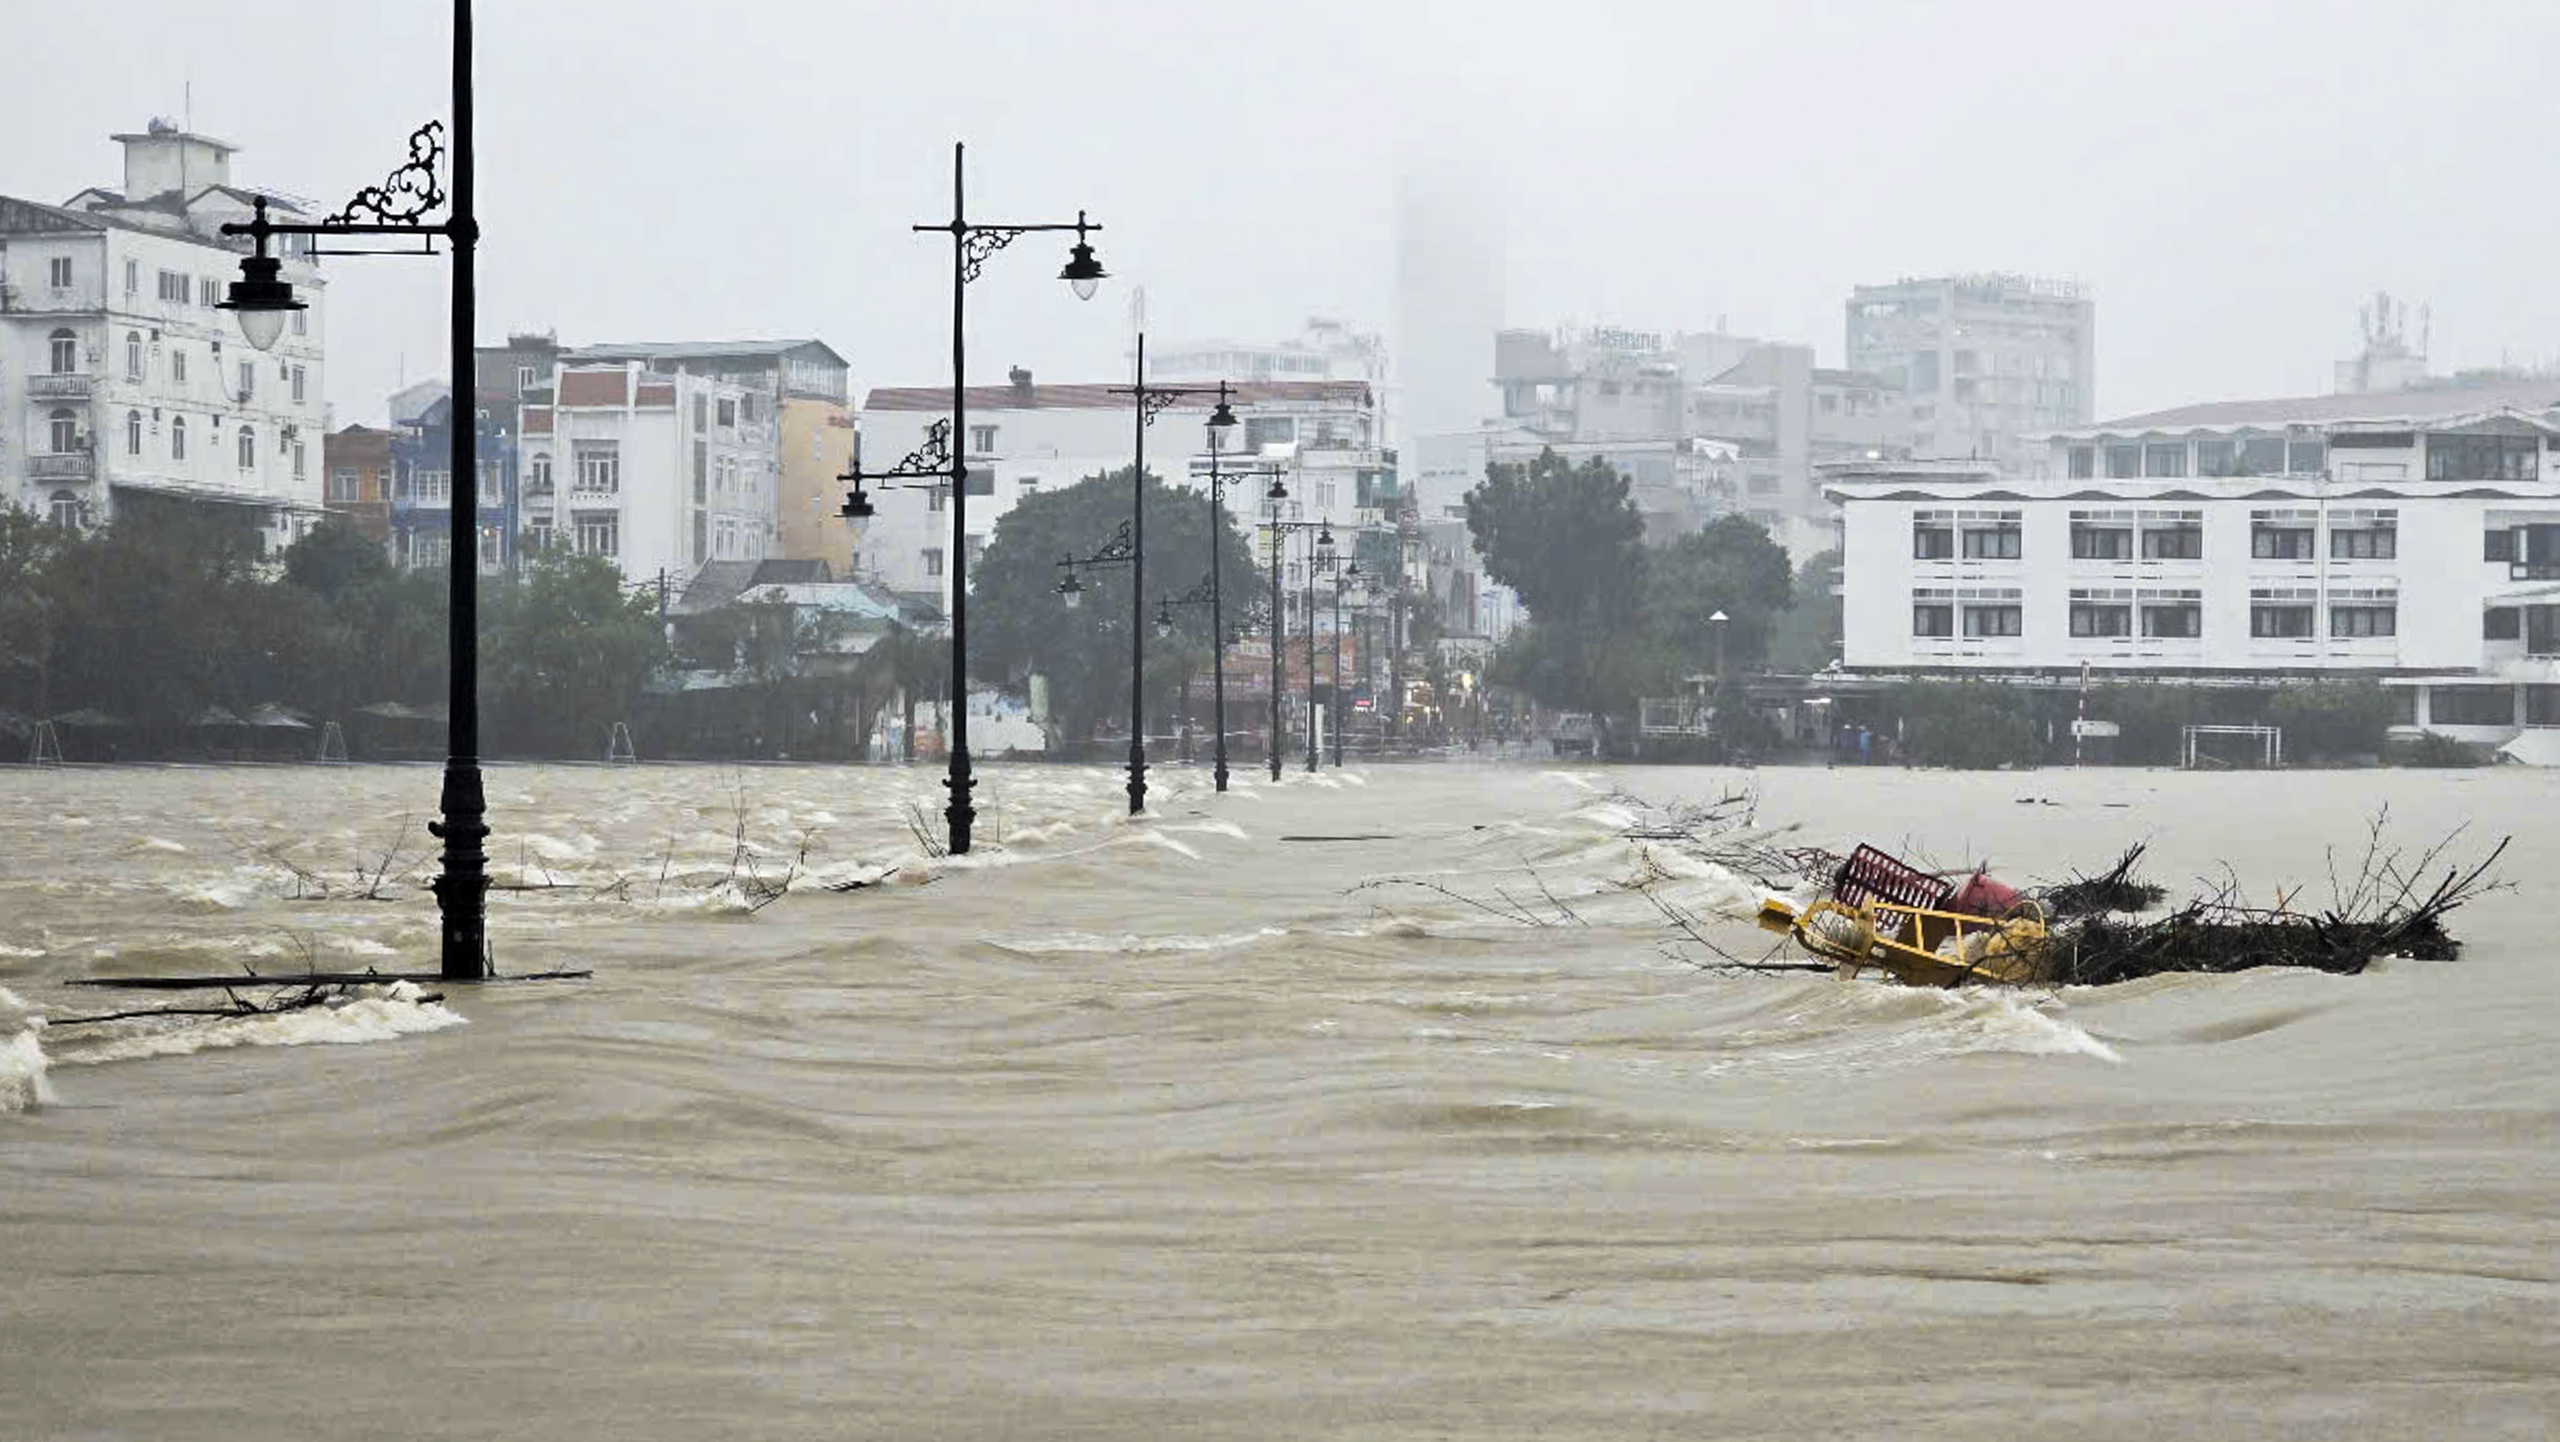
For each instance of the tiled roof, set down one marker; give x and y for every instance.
(594, 388)
(537, 420)
(655, 394)
(1114, 396)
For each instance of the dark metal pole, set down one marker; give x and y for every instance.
(1336, 648)
(1217, 616)
(1138, 600)
(1315, 736)
(960, 813)
(462, 885)
(1279, 630)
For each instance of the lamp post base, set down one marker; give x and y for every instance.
(960, 813)
(1220, 771)
(461, 887)
(1137, 778)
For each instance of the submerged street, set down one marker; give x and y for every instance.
(1215, 1121)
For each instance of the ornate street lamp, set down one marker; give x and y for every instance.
(1151, 401)
(941, 462)
(1280, 532)
(262, 300)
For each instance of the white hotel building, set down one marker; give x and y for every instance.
(122, 384)
(2411, 536)
(657, 472)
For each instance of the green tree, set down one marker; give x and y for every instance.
(1566, 539)
(1807, 637)
(1019, 625)
(333, 559)
(1729, 565)
(566, 651)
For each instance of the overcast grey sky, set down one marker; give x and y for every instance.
(2232, 178)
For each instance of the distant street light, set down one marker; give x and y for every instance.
(1717, 622)
(944, 460)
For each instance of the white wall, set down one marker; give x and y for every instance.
(2438, 576)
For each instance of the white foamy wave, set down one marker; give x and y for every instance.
(2003, 1021)
(23, 952)
(22, 1058)
(375, 1014)
(1079, 942)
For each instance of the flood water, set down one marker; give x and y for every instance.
(1177, 1127)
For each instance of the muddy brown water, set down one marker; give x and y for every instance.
(1176, 1127)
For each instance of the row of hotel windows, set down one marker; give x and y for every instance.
(63, 427)
(2156, 536)
(63, 356)
(2449, 457)
(2163, 615)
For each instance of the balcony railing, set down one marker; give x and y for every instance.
(68, 466)
(58, 387)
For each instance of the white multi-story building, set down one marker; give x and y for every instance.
(1988, 361)
(659, 472)
(2412, 536)
(121, 384)
(1025, 437)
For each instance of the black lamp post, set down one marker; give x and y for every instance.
(1352, 574)
(400, 207)
(1151, 401)
(944, 456)
(1280, 532)
(1221, 421)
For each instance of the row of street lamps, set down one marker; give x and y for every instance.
(405, 205)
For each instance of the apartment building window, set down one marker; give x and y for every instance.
(176, 289)
(2483, 458)
(177, 438)
(2101, 613)
(64, 511)
(701, 472)
(63, 350)
(64, 431)
(2502, 623)
(1933, 614)
(599, 467)
(2217, 458)
(2173, 540)
(2364, 536)
(538, 535)
(982, 440)
(1025, 485)
(133, 433)
(2283, 536)
(2098, 536)
(2164, 459)
(178, 366)
(2307, 458)
(2498, 544)
(937, 498)
(2471, 705)
(2364, 613)
(345, 484)
(1994, 620)
(538, 473)
(208, 292)
(302, 322)
(133, 355)
(2261, 456)
(247, 444)
(977, 548)
(2084, 462)
(1996, 542)
(493, 487)
(133, 277)
(724, 536)
(2173, 615)
(728, 414)
(299, 458)
(491, 556)
(298, 381)
(429, 548)
(57, 272)
(2124, 463)
(599, 534)
(430, 486)
(933, 560)
(981, 483)
(248, 380)
(524, 379)
(1933, 536)
(2281, 615)
(1260, 431)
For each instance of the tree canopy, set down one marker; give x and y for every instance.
(1566, 539)
(1020, 626)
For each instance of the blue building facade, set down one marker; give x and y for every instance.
(422, 494)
